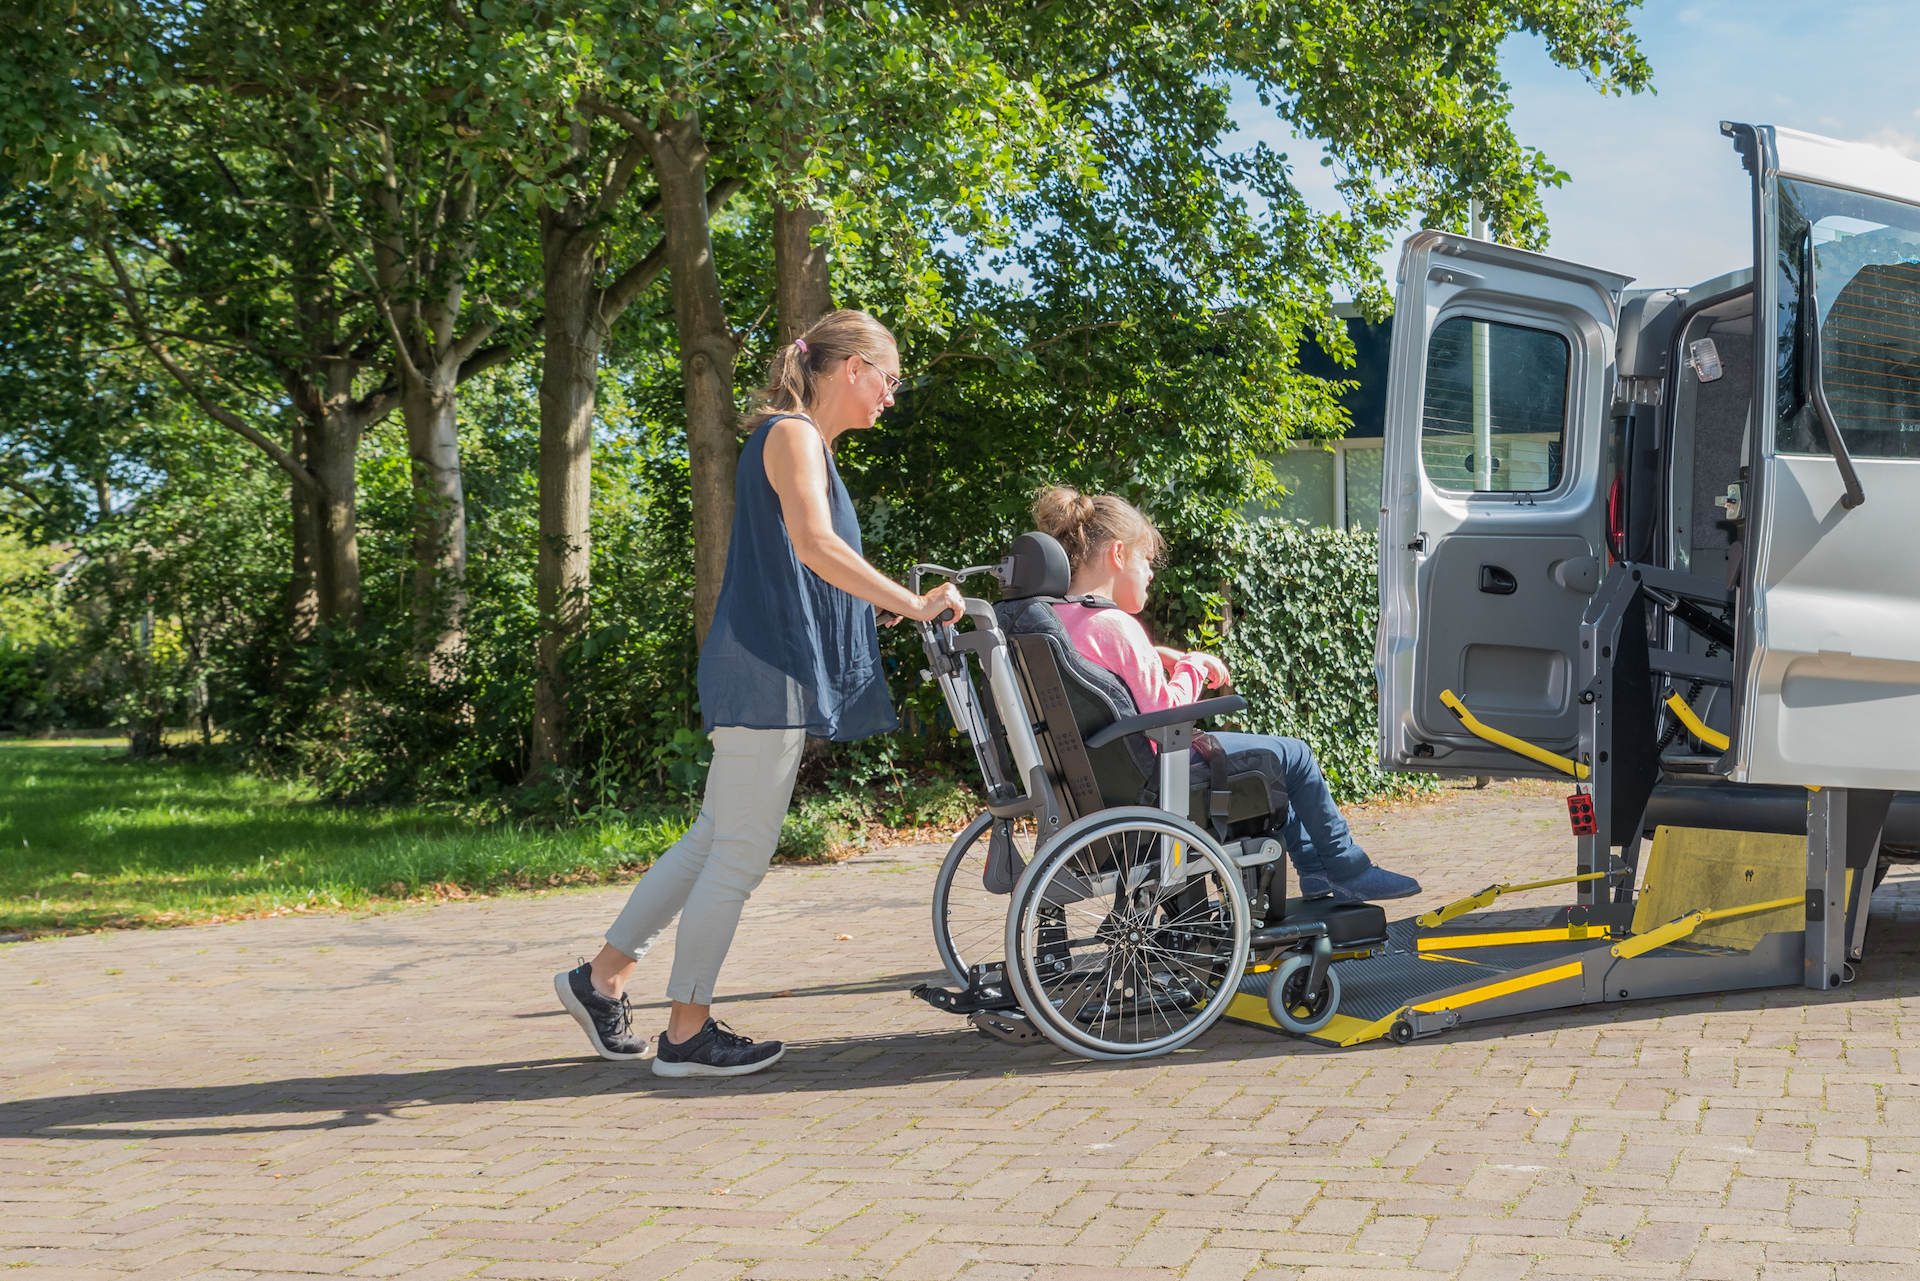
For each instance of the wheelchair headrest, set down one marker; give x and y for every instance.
(1037, 566)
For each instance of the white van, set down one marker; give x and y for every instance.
(1762, 429)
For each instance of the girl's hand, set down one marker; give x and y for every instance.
(1214, 669)
(1169, 657)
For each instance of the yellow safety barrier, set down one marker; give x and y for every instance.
(1696, 726)
(1681, 926)
(1484, 898)
(1501, 738)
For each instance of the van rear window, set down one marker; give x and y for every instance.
(1495, 417)
(1862, 256)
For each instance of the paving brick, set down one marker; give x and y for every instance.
(1740, 1137)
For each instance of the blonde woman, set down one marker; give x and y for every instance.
(1112, 548)
(792, 652)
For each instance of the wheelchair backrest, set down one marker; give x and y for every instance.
(1069, 697)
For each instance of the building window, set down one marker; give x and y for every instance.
(1339, 487)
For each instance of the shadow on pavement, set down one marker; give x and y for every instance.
(310, 1103)
(818, 1065)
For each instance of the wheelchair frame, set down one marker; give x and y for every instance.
(1063, 802)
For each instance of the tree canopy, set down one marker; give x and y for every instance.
(450, 312)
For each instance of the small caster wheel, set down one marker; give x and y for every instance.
(1401, 1032)
(1292, 1006)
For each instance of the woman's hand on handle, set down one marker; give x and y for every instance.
(942, 600)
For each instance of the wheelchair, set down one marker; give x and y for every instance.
(1105, 900)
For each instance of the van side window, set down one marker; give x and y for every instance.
(1864, 257)
(1495, 417)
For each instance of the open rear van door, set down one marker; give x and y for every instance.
(1829, 635)
(1493, 497)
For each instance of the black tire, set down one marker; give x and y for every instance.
(1293, 1007)
(1107, 962)
(969, 922)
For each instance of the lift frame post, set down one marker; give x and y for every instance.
(1826, 887)
(1615, 684)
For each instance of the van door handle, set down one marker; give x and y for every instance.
(1497, 581)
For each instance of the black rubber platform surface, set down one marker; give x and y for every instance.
(1379, 985)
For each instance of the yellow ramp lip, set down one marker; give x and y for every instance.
(1344, 1030)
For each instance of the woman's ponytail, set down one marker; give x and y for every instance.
(794, 374)
(786, 389)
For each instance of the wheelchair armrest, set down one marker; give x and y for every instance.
(1183, 715)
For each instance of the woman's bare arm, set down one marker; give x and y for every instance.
(797, 469)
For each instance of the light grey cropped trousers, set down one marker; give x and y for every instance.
(709, 873)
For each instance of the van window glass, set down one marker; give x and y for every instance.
(1495, 418)
(1864, 256)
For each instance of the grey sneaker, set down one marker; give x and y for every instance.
(715, 1050)
(608, 1023)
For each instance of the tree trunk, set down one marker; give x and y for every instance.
(578, 315)
(802, 291)
(302, 607)
(574, 333)
(429, 406)
(332, 443)
(707, 353)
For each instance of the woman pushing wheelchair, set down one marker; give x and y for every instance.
(1112, 549)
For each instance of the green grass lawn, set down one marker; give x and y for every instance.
(89, 838)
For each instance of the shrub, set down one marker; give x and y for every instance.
(1306, 605)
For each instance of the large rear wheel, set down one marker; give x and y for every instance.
(1128, 935)
(969, 916)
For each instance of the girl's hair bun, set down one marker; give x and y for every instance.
(1084, 523)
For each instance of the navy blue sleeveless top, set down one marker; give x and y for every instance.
(787, 649)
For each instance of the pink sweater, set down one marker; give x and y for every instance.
(1117, 642)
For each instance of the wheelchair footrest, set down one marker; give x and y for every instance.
(1349, 925)
(975, 997)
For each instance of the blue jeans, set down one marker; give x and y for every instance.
(1316, 836)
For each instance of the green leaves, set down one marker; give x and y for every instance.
(1305, 606)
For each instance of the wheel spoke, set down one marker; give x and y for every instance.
(1146, 966)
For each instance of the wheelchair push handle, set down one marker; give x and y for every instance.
(947, 617)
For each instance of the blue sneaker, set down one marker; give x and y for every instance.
(1315, 886)
(1374, 884)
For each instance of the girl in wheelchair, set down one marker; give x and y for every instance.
(1112, 548)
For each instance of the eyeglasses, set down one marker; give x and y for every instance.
(893, 380)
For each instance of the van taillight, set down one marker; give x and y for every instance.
(1617, 517)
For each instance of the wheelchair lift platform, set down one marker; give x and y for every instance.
(1427, 981)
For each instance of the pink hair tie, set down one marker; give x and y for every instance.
(801, 343)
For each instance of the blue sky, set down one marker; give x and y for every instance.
(1656, 192)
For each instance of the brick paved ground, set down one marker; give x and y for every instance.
(399, 1097)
